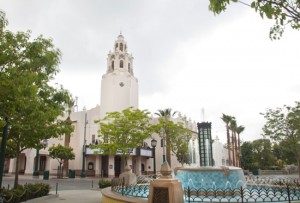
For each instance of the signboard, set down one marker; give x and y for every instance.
(146, 152)
(94, 151)
(90, 151)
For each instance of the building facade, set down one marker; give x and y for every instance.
(119, 90)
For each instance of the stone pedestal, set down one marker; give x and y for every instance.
(166, 189)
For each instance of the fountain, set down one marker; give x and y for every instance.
(211, 177)
(207, 176)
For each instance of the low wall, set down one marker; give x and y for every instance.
(108, 196)
(272, 172)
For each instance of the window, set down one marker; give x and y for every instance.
(113, 65)
(121, 64)
(93, 139)
(129, 67)
(121, 46)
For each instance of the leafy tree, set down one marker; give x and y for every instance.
(283, 125)
(123, 131)
(67, 140)
(263, 155)
(61, 153)
(31, 105)
(177, 138)
(284, 12)
(247, 159)
(166, 114)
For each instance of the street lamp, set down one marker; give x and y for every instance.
(83, 174)
(44, 143)
(153, 145)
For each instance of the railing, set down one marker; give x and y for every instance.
(258, 193)
(140, 189)
(257, 190)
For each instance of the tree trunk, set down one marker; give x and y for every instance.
(16, 181)
(168, 156)
(233, 147)
(239, 150)
(66, 161)
(228, 146)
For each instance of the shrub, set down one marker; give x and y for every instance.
(26, 192)
(104, 183)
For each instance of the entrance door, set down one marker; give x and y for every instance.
(117, 166)
(104, 166)
(42, 163)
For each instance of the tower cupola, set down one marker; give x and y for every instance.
(119, 59)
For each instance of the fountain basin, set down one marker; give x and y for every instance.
(211, 177)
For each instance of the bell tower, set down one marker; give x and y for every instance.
(119, 87)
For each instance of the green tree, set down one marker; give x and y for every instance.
(263, 155)
(120, 132)
(61, 153)
(247, 158)
(232, 127)
(67, 140)
(166, 114)
(177, 138)
(284, 12)
(227, 119)
(283, 125)
(32, 106)
(239, 130)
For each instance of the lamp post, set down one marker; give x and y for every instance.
(83, 174)
(2, 155)
(153, 145)
(44, 142)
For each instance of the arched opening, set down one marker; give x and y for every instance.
(121, 46)
(90, 166)
(113, 65)
(121, 64)
(116, 46)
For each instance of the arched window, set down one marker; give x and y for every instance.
(113, 65)
(90, 166)
(129, 67)
(121, 46)
(121, 64)
(116, 46)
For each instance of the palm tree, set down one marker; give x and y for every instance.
(227, 120)
(239, 130)
(70, 105)
(232, 127)
(166, 114)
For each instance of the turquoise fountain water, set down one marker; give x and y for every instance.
(211, 177)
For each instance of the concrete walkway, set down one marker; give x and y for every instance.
(71, 196)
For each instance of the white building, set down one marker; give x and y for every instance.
(119, 90)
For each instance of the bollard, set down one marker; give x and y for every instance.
(56, 188)
(92, 183)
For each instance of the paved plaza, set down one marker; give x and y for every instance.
(67, 190)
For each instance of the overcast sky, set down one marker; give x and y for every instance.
(185, 58)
